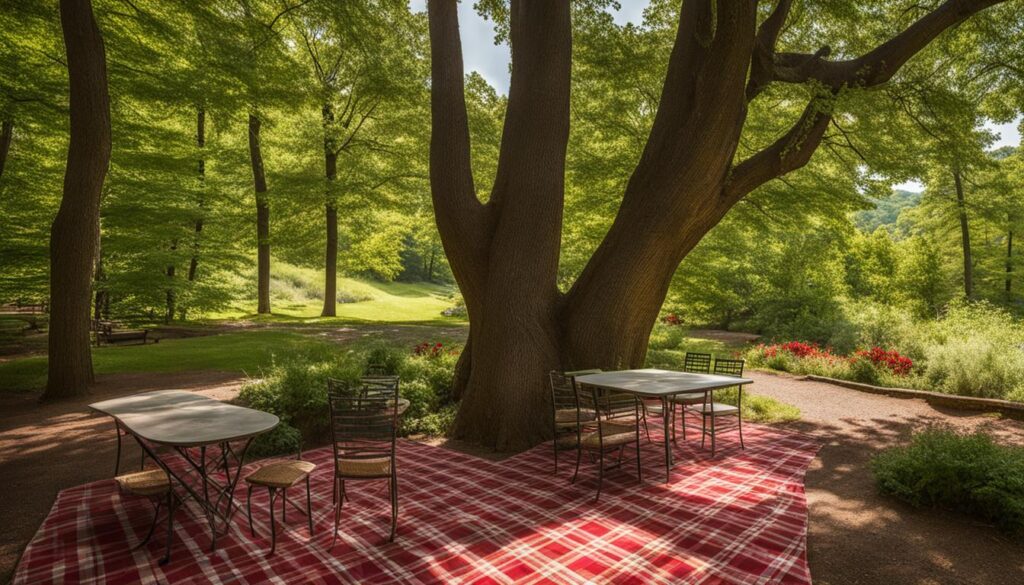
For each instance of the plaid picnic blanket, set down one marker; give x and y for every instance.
(738, 518)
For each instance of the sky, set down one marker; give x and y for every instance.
(480, 54)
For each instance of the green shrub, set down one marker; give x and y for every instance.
(970, 473)
(283, 440)
(295, 389)
(388, 356)
(665, 336)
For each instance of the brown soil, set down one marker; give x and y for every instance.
(856, 536)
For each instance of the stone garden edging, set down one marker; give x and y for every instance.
(1005, 407)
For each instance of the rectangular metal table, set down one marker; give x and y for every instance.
(661, 384)
(184, 421)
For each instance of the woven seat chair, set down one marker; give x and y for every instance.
(610, 430)
(277, 477)
(364, 432)
(694, 363)
(565, 415)
(712, 411)
(155, 485)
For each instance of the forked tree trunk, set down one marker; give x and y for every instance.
(504, 254)
(965, 234)
(262, 217)
(331, 209)
(6, 134)
(193, 265)
(74, 235)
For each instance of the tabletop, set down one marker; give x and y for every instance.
(185, 419)
(660, 383)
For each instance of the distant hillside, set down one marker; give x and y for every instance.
(886, 210)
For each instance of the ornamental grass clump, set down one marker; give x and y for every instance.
(969, 473)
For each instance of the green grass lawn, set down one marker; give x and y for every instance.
(297, 298)
(243, 352)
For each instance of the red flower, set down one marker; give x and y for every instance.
(889, 359)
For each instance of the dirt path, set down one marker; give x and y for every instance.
(856, 536)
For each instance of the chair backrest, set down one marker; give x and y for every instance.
(563, 391)
(363, 427)
(605, 403)
(336, 387)
(726, 367)
(697, 363)
(379, 386)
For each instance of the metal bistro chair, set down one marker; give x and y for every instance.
(694, 363)
(566, 416)
(713, 410)
(363, 438)
(609, 430)
(281, 475)
(155, 485)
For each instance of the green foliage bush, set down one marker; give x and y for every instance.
(294, 388)
(970, 473)
(665, 336)
(284, 439)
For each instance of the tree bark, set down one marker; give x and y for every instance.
(75, 233)
(6, 134)
(965, 234)
(331, 208)
(262, 217)
(1009, 264)
(504, 254)
(193, 265)
(171, 297)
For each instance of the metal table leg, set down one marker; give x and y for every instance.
(668, 442)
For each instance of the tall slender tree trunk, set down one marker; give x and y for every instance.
(101, 302)
(6, 135)
(965, 233)
(75, 233)
(331, 205)
(1009, 264)
(193, 264)
(262, 217)
(171, 296)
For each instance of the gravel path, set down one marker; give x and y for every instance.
(857, 536)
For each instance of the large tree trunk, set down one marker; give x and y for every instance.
(193, 264)
(74, 236)
(262, 217)
(6, 134)
(331, 207)
(965, 234)
(504, 254)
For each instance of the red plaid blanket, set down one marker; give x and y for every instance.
(738, 518)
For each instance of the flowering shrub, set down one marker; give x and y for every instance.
(672, 319)
(891, 360)
(428, 349)
(797, 349)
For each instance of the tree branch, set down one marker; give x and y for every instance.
(761, 61)
(880, 64)
(786, 154)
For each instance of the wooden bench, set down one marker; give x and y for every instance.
(107, 331)
(29, 313)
